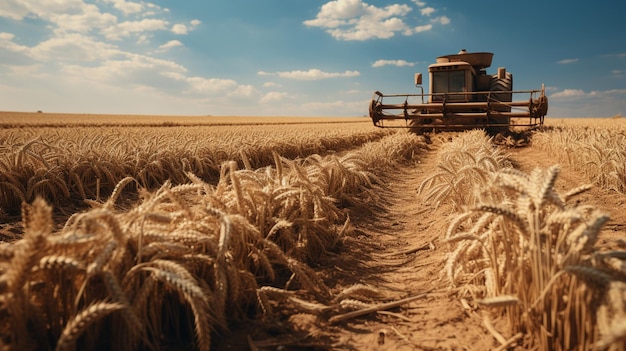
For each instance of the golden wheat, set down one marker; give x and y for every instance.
(597, 149)
(519, 246)
(185, 259)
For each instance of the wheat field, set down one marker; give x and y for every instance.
(156, 233)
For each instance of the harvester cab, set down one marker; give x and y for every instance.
(462, 96)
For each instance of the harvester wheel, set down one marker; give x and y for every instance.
(506, 86)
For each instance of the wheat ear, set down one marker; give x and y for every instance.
(196, 299)
(82, 321)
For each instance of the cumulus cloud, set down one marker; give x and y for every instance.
(210, 85)
(92, 46)
(179, 29)
(579, 93)
(73, 47)
(271, 85)
(170, 44)
(127, 28)
(581, 103)
(127, 7)
(70, 47)
(443, 20)
(311, 74)
(427, 11)
(182, 29)
(568, 93)
(131, 68)
(399, 63)
(273, 96)
(358, 20)
(567, 61)
(423, 28)
(63, 15)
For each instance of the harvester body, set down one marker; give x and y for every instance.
(462, 96)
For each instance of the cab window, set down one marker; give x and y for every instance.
(449, 82)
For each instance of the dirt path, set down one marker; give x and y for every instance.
(405, 258)
(396, 247)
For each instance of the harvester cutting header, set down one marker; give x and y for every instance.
(462, 96)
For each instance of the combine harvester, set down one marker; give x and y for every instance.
(462, 96)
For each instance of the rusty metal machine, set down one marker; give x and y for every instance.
(462, 96)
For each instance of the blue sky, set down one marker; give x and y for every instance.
(296, 57)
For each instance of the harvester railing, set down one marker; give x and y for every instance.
(459, 110)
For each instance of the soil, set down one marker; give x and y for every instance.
(396, 247)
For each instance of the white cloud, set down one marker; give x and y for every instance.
(399, 63)
(182, 29)
(210, 85)
(127, 7)
(579, 93)
(419, 3)
(357, 20)
(73, 47)
(424, 28)
(78, 68)
(427, 11)
(6, 42)
(67, 47)
(567, 61)
(243, 91)
(13, 9)
(271, 85)
(132, 68)
(617, 73)
(443, 20)
(127, 28)
(311, 74)
(273, 96)
(170, 44)
(568, 93)
(69, 15)
(579, 103)
(179, 29)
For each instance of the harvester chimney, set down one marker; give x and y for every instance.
(501, 72)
